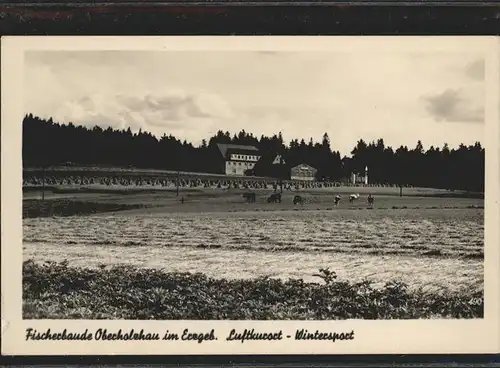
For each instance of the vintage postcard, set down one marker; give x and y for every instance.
(250, 195)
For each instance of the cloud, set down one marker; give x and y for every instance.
(453, 106)
(476, 70)
(192, 94)
(166, 111)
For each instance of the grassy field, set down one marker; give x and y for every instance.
(451, 233)
(207, 199)
(433, 243)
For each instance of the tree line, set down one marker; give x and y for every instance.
(47, 143)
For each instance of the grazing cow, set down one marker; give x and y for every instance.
(336, 200)
(353, 197)
(370, 201)
(298, 199)
(249, 197)
(273, 198)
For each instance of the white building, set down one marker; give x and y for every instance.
(238, 158)
(360, 179)
(303, 172)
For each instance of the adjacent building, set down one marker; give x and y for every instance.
(303, 172)
(238, 159)
(271, 165)
(360, 179)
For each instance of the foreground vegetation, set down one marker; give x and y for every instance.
(57, 291)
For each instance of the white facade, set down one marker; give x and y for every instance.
(238, 167)
(303, 172)
(302, 178)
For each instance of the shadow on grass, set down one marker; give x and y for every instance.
(64, 207)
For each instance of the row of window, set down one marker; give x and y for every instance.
(244, 157)
(302, 173)
(240, 163)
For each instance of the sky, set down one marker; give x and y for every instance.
(400, 97)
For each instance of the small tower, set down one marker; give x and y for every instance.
(366, 175)
(353, 178)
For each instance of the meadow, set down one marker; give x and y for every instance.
(416, 256)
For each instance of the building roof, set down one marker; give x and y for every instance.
(278, 160)
(226, 149)
(305, 167)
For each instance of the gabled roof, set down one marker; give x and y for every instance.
(306, 166)
(278, 160)
(268, 158)
(225, 149)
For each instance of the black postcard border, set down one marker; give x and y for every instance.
(295, 361)
(233, 18)
(48, 17)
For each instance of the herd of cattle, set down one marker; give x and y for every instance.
(276, 198)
